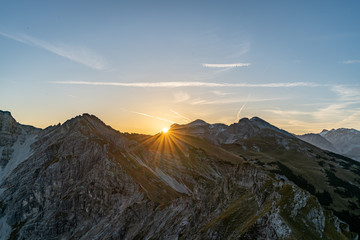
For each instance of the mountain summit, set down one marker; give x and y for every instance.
(222, 134)
(84, 180)
(342, 141)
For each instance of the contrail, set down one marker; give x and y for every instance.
(182, 116)
(242, 107)
(230, 65)
(189, 84)
(148, 115)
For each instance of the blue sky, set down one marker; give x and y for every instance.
(141, 66)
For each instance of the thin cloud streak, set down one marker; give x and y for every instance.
(228, 101)
(351, 61)
(242, 107)
(346, 92)
(181, 96)
(288, 112)
(189, 84)
(151, 116)
(239, 112)
(219, 93)
(230, 65)
(81, 55)
(182, 116)
(336, 111)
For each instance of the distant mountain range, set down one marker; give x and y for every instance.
(342, 141)
(250, 180)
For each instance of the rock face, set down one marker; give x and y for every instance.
(84, 180)
(223, 134)
(342, 141)
(332, 178)
(319, 141)
(15, 141)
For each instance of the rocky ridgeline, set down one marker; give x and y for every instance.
(84, 180)
(223, 134)
(342, 141)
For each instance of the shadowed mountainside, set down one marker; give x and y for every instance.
(332, 178)
(342, 141)
(84, 180)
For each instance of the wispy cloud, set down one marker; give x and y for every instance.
(227, 65)
(288, 112)
(199, 101)
(220, 93)
(151, 116)
(353, 61)
(337, 112)
(189, 84)
(349, 120)
(81, 55)
(181, 116)
(346, 92)
(181, 96)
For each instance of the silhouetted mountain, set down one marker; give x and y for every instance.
(222, 134)
(84, 180)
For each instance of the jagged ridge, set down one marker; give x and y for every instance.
(84, 180)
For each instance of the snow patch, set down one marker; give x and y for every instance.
(21, 152)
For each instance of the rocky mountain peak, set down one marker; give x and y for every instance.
(86, 122)
(198, 122)
(84, 180)
(255, 118)
(5, 113)
(244, 120)
(260, 122)
(323, 132)
(255, 122)
(255, 125)
(7, 123)
(343, 141)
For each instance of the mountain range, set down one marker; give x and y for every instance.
(342, 141)
(250, 180)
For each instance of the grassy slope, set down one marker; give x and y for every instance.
(332, 178)
(240, 216)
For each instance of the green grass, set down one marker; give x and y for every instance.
(323, 174)
(236, 219)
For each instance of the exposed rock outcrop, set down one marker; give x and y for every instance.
(84, 180)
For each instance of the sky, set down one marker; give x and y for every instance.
(143, 65)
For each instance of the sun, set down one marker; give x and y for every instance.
(164, 130)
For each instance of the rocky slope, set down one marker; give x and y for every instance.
(332, 178)
(319, 141)
(222, 134)
(342, 141)
(84, 180)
